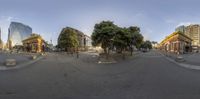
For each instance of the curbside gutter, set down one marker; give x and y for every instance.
(188, 66)
(3, 68)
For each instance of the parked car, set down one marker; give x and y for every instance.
(144, 50)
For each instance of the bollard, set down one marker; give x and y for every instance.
(10, 62)
(179, 59)
(34, 57)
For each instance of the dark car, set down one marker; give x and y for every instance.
(144, 50)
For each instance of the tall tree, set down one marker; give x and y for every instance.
(103, 35)
(68, 39)
(122, 39)
(108, 35)
(136, 37)
(147, 45)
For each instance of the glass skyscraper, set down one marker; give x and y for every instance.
(18, 32)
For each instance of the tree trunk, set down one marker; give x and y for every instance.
(123, 54)
(131, 51)
(107, 54)
(105, 51)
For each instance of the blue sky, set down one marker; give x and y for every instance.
(156, 18)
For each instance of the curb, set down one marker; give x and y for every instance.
(3, 68)
(188, 66)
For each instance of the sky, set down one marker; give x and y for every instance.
(156, 18)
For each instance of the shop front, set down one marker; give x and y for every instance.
(34, 44)
(176, 43)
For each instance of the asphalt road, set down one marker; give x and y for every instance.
(60, 76)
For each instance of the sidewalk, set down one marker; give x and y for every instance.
(22, 59)
(190, 60)
(193, 58)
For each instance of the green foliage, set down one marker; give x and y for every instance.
(103, 34)
(122, 39)
(146, 44)
(68, 39)
(109, 35)
(136, 36)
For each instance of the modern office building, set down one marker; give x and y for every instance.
(16, 33)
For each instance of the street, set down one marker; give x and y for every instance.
(61, 76)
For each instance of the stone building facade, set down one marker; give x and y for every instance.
(35, 43)
(177, 43)
(192, 31)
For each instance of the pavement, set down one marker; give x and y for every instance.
(62, 76)
(22, 59)
(190, 60)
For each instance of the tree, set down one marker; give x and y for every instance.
(68, 39)
(122, 39)
(147, 45)
(136, 37)
(108, 35)
(103, 35)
